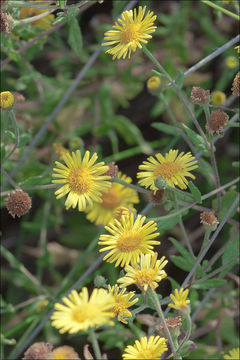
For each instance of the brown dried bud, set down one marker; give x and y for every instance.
(113, 170)
(217, 121)
(209, 220)
(64, 352)
(6, 22)
(200, 96)
(157, 197)
(18, 203)
(236, 85)
(172, 323)
(37, 351)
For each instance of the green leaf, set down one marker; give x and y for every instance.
(226, 203)
(182, 263)
(180, 248)
(174, 283)
(179, 79)
(10, 134)
(75, 37)
(231, 251)
(209, 284)
(165, 128)
(195, 192)
(196, 139)
(169, 221)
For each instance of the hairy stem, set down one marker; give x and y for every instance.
(95, 344)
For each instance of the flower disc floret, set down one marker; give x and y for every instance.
(80, 312)
(173, 168)
(147, 348)
(129, 32)
(128, 239)
(116, 196)
(84, 181)
(180, 299)
(122, 302)
(147, 273)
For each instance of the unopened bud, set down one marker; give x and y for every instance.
(99, 281)
(218, 98)
(160, 183)
(6, 100)
(154, 83)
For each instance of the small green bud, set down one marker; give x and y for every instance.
(100, 281)
(76, 143)
(160, 183)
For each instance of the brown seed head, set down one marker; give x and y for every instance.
(236, 85)
(217, 121)
(63, 352)
(157, 197)
(18, 203)
(172, 323)
(209, 220)
(38, 351)
(113, 170)
(200, 96)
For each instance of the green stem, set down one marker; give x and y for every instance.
(131, 186)
(188, 332)
(223, 10)
(16, 130)
(205, 240)
(95, 344)
(162, 318)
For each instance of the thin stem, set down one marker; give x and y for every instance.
(11, 181)
(95, 344)
(162, 318)
(17, 135)
(223, 10)
(188, 332)
(131, 186)
(205, 240)
(162, 70)
(34, 187)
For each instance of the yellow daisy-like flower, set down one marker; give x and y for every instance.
(218, 98)
(118, 195)
(122, 302)
(130, 30)
(45, 22)
(84, 181)
(173, 168)
(81, 312)
(120, 211)
(128, 239)
(148, 273)
(6, 100)
(231, 62)
(60, 150)
(147, 348)
(180, 299)
(234, 354)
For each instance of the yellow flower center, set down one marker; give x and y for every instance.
(128, 242)
(79, 180)
(146, 354)
(111, 199)
(130, 33)
(145, 277)
(119, 307)
(167, 170)
(85, 312)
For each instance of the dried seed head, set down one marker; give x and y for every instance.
(209, 220)
(154, 83)
(236, 85)
(38, 351)
(200, 96)
(120, 211)
(172, 323)
(157, 197)
(63, 352)
(6, 23)
(217, 121)
(113, 170)
(18, 203)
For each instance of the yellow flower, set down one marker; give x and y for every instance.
(145, 274)
(231, 62)
(179, 299)
(60, 150)
(218, 98)
(6, 100)
(63, 353)
(173, 168)
(84, 181)
(154, 83)
(122, 302)
(237, 48)
(81, 312)
(128, 239)
(234, 354)
(147, 348)
(131, 30)
(118, 195)
(120, 211)
(45, 22)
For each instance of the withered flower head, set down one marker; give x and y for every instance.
(157, 197)
(63, 352)
(236, 85)
(200, 96)
(18, 203)
(209, 220)
(172, 323)
(6, 22)
(217, 121)
(113, 170)
(38, 351)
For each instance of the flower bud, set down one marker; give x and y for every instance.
(6, 100)
(99, 281)
(218, 98)
(160, 183)
(154, 83)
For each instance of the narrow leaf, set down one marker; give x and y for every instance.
(75, 37)
(209, 284)
(195, 192)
